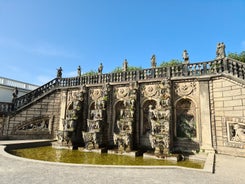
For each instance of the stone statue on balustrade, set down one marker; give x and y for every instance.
(100, 69)
(153, 61)
(220, 51)
(79, 71)
(185, 56)
(59, 73)
(125, 65)
(15, 94)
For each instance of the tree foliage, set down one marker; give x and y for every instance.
(239, 57)
(91, 72)
(130, 68)
(172, 62)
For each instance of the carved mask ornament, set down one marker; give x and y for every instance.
(96, 94)
(150, 91)
(184, 89)
(122, 92)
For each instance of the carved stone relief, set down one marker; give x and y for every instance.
(93, 136)
(236, 130)
(38, 124)
(185, 89)
(150, 91)
(159, 115)
(126, 97)
(73, 114)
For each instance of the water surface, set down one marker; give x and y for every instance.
(47, 153)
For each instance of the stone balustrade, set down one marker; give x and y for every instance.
(225, 65)
(5, 107)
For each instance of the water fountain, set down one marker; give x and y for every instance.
(123, 139)
(93, 135)
(69, 136)
(124, 123)
(92, 138)
(159, 118)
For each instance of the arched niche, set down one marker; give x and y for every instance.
(145, 124)
(91, 108)
(185, 119)
(119, 106)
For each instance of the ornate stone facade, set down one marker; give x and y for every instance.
(190, 106)
(123, 130)
(93, 136)
(186, 107)
(69, 134)
(159, 115)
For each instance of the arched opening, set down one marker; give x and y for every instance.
(186, 123)
(91, 108)
(117, 114)
(145, 128)
(186, 119)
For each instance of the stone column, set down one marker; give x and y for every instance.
(205, 116)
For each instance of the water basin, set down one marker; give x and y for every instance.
(47, 153)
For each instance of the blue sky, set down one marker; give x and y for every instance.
(37, 37)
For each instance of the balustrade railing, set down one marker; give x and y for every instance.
(226, 65)
(29, 97)
(5, 107)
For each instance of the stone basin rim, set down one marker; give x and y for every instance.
(4, 146)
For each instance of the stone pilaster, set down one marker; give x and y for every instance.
(62, 109)
(206, 134)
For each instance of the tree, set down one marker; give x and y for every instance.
(239, 57)
(130, 68)
(172, 62)
(91, 72)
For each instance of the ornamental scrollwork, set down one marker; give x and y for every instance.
(150, 91)
(95, 94)
(122, 92)
(184, 89)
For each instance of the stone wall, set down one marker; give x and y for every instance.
(37, 120)
(228, 111)
(212, 108)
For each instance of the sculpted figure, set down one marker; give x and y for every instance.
(185, 56)
(100, 69)
(59, 73)
(220, 51)
(15, 94)
(79, 71)
(125, 65)
(239, 133)
(153, 61)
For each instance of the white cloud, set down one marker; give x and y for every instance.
(45, 49)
